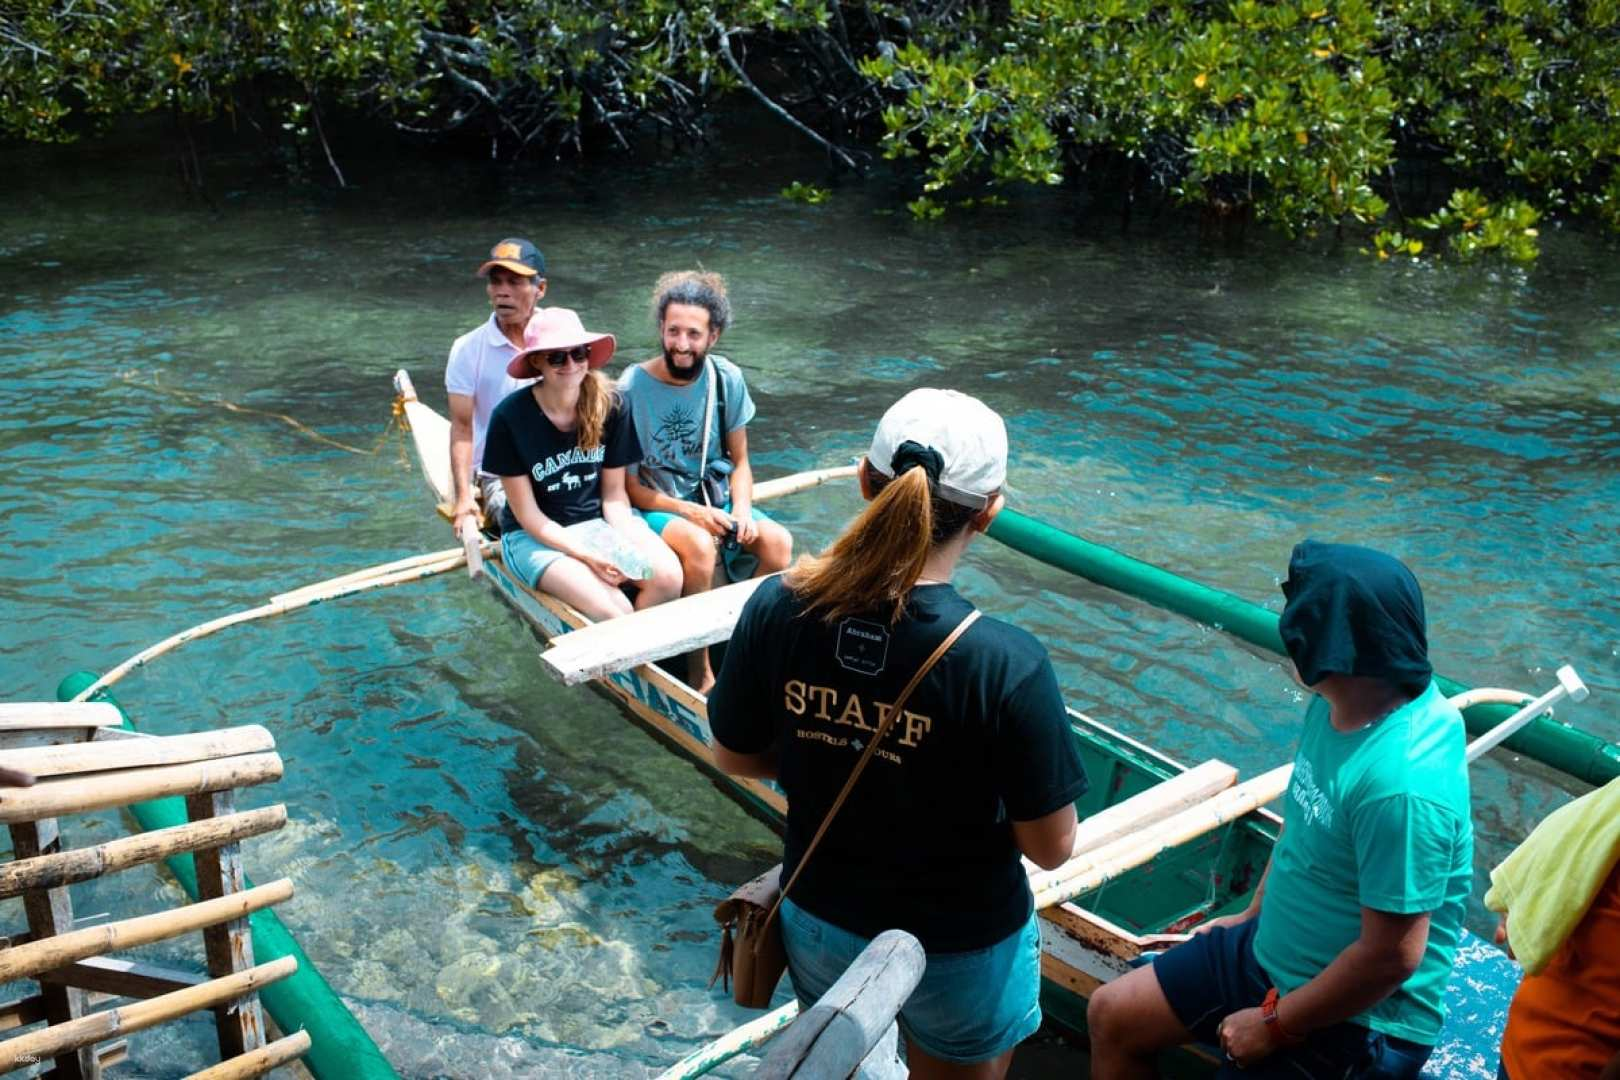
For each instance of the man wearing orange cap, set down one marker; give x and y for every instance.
(476, 378)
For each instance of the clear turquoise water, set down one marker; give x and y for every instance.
(506, 877)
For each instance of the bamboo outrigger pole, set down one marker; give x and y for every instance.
(375, 577)
(470, 554)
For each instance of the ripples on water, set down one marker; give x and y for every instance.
(505, 876)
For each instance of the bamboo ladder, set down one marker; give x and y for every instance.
(83, 761)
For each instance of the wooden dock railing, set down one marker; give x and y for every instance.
(851, 1030)
(80, 760)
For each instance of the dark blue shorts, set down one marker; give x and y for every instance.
(1215, 974)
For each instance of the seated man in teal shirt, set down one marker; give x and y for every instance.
(691, 409)
(1338, 968)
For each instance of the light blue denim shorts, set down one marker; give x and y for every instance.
(970, 1006)
(527, 557)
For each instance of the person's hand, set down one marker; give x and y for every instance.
(604, 569)
(15, 777)
(747, 529)
(1501, 937)
(711, 518)
(1225, 920)
(466, 506)
(1245, 1038)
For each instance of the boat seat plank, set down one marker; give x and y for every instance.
(1085, 872)
(644, 636)
(29, 715)
(1162, 800)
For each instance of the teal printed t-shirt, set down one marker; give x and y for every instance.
(669, 422)
(1376, 818)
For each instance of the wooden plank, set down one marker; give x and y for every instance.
(1167, 797)
(1072, 979)
(136, 753)
(58, 714)
(79, 794)
(228, 946)
(644, 636)
(80, 1035)
(1088, 871)
(259, 1061)
(50, 919)
(1092, 931)
(838, 1032)
(20, 1012)
(122, 978)
(49, 953)
(71, 867)
(22, 739)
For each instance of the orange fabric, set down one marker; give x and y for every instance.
(1564, 1024)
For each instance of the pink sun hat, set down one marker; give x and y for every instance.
(551, 329)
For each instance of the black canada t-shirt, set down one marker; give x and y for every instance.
(924, 842)
(567, 481)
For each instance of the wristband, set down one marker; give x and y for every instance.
(1274, 1024)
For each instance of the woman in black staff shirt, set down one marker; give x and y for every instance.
(980, 767)
(560, 447)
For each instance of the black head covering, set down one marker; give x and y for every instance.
(910, 454)
(1354, 611)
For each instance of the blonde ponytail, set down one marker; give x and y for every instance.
(596, 399)
(876, 561)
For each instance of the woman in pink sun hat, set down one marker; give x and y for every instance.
(560, 447)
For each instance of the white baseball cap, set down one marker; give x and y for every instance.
(968, 436)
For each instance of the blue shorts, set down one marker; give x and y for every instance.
(970, 1006)
(527, 557)
(1215, 974)
(657, 519)
(740, 564)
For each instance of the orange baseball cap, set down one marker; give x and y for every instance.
(516, 255)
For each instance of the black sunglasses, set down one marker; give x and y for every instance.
(560, 357)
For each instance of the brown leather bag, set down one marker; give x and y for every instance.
(752, 957)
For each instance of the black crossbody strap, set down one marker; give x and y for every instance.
(871, 748)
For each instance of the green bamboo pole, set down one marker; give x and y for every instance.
(1570, 750)
(340, 1049)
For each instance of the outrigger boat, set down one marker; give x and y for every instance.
(1163, 847)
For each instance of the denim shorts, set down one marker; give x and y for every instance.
(969, 1007)
(527, 557)
(1215, 974)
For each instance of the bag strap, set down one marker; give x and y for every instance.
(719, 405)
(703, 455)
(871, 748)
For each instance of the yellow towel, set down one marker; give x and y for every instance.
(1548, 882)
